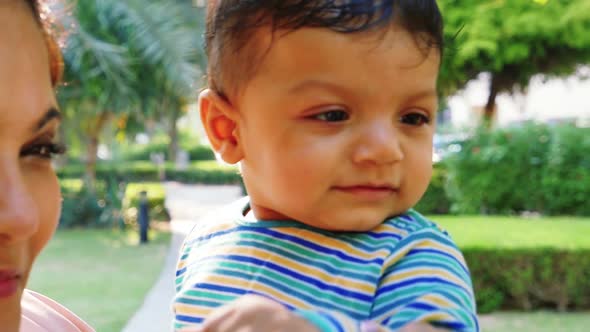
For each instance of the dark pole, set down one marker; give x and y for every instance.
(143, 217)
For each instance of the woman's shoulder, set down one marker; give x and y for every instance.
(42, 314)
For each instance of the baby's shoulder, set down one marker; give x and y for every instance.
(418, 234)
(215, 222)
(410, 223)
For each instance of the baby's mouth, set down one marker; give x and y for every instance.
(368, 191)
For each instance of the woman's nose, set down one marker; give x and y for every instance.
(18, 212)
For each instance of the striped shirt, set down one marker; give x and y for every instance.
(405, 270)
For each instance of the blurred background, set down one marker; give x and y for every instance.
(512, 156)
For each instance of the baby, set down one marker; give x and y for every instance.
(329, 109)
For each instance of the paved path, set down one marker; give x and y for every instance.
(186, 203)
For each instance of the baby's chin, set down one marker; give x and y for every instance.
(356, 225)
(335, 218)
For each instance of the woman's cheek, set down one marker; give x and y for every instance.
(44, 188)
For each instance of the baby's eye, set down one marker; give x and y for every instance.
(43, 150)
(415, 119)
(331, 116)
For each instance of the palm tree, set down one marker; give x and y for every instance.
(125, 59)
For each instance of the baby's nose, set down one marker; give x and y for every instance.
(379, 144)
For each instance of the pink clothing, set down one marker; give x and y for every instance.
(42, 314)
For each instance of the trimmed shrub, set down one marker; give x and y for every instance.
(100, 208)
(156, 196)
(205, 172)
(200, 152)
(144, 152)
(530, 279)
(111, 204)
(493, 172)
(566, 177)
(435, 200)
(532, 168)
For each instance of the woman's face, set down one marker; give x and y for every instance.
(29, 191)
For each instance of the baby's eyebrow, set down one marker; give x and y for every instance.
(424, 94)
(50, 115)
(315, 83)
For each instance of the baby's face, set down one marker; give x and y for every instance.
(336, 129)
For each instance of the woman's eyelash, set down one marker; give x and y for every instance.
(44, 150)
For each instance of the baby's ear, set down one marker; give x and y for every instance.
(220, 121)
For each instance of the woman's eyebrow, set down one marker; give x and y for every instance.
(51, 114)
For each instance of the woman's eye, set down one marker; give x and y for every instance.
(415, 119)
(43, 150)
(331, 116)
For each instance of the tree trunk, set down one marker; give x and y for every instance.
(490, 108)
(92, 149)
(62, 160)
(173, 132)
(90, 170)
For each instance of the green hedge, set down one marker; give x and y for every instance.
(532, 168)
(143, 152)
(205, 172)
(435, 200)
(566, 179)
(156, 196)
(112, 203)
(528, 279)
(100, 208)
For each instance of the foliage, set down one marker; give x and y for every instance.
(525, 263)
(126, 62)
(527, 279)
(205, 172)
(435, 200)
(566, 178)
(143, 152)
(98, 208)
(156, 196)
(531, 168)
(513, 40)
(92, 207)
(116, 43)
(101, 275)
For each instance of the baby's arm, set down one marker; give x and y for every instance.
(425, 281)
(257, 313)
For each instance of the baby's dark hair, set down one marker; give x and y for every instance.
(231, 25)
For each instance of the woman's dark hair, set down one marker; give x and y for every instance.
(55, 57)
(231, 25)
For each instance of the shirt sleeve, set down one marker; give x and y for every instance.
(40, 313)
(425, 280)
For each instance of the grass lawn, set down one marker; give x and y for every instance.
(517, 232)
(542, 321)
(102, 275)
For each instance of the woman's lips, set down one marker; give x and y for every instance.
(9, 280)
